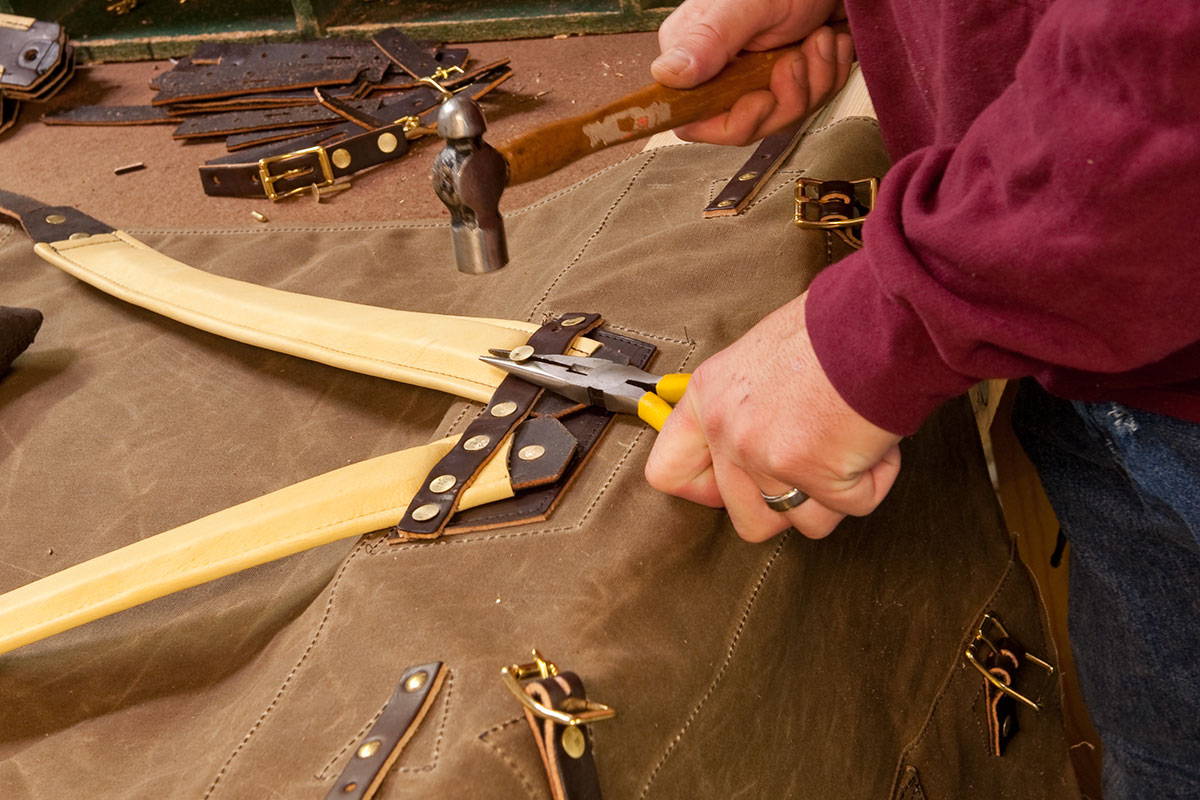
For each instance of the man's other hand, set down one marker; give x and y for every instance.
(700, 37)
(760, 416)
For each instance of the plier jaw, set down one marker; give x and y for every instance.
(590, 381)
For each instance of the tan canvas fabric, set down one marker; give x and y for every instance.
(796, 669)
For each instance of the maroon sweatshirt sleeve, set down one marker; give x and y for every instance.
(1058, 238)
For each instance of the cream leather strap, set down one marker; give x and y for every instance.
(430, 350)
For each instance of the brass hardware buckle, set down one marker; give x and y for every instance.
(269, 180)
(808, 203)
(581, 712)
(441, 73)
(991, 623)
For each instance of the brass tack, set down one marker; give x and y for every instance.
(442, 483)
(416, 681)
(258, 215)
(369, 749)
(477, 442)
(725, 204)
(531, 452)
(522, 353)
(79, 235)
(349, 787)
(341, 158)
(573, 742)
(505, 409)
(572, 322)
(747, 176)
(426, 512)
(386, 142)
(55, 219)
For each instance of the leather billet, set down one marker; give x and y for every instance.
(760, 167)
(373, 755)
(566, 751)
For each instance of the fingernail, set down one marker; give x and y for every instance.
(675, 60)
(825, 48)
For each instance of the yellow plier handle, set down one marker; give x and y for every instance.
(654, 407)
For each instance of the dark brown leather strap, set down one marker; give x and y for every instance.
(242, 141)
(230, 122)
(431, 508)
(375, 753)
(754, 174)
(18, 327)
(407, 54)
(566, 750)
(111, 115)
(1000, 709)
(9, 111)
(46, 223)
(288, 167)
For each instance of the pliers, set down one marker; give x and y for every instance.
(597, 382)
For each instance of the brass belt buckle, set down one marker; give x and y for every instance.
(809, 194)
(269, 180)
(991, 623)
(574, 712)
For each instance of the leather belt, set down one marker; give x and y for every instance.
(746, 183)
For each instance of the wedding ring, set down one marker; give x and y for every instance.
(782, 502)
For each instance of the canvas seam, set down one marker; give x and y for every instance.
(531, 792)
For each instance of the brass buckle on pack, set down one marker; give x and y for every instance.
(574, 712)
(268, 179)
(989, 623)
(810, 192)
(441, 73)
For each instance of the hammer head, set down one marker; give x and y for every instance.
(469, 176)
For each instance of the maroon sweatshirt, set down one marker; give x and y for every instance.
(1042, 217)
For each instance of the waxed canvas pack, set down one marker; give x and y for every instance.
(795, 668)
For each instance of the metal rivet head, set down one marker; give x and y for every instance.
(416, 681)
(369, 749)
(531, 452)
(477, 442)
(79, 235)
(747, 176)
(725, 204)
(349, 787)
(386, 142)
(572, 322)
(426, 512)
(505, 409)
(442, 483)
(522, 353)
(341, 158)
(55, 219)
(573, 742)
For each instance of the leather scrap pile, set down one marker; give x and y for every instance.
(35, 62)
(298, 116)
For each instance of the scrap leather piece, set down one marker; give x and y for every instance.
(111, 115)
(18, 327)
(757, 172)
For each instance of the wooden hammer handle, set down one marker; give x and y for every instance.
(647, 111)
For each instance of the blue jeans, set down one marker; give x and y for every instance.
(1125, 485)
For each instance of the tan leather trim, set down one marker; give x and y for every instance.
(430, 350)
(350, 501)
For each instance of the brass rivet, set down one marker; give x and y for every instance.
(386, 142)
(505, 409)
(573, 742)
(522, 353)
(349, 787)
(79, 235)
(572, 322)
(477, 442)
(341, 158)
(416, 681)
(55, 219)
(369, 749)
(442, 483)
(531, 452)
(725, 204)
(426, 512)
(747, 176)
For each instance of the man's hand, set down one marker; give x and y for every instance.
(700, 37)
(761, 416)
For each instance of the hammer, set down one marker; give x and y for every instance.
(469, 175)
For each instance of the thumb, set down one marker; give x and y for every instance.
(700, 37)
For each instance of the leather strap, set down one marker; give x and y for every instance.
(9, 111)
(1000, 709)
(376, 752)
(111, 115)
(242, 141)
(566, 751)
(18, 327)
(512, 401)
(756, 172)
(283, 168)
(45, 223)
(230, 122)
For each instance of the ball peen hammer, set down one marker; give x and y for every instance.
(469, 175)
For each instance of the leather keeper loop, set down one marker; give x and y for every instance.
(566, 750)
(432, 507)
